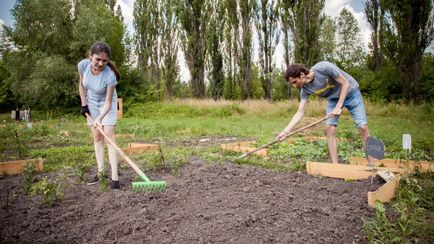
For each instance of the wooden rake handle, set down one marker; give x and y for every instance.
(119, 150)
(290, 134)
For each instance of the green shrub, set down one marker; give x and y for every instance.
(51, 192)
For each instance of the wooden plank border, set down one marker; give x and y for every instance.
(385, 193)
(17, 166)
(396, 163)
(140, 147)
(243, 147)
(345, 171)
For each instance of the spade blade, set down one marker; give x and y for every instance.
(375, 148)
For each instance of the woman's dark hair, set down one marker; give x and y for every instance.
(294, 71)
(102, 47)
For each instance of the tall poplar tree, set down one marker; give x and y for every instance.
(374, 15)
(215, 39)
(231, 49)
(327, 40)
(170, 46)
(266, 23)
(147, 23)
(194, 16)
(247, 8)
(349, 48)
(305, 21)
(408, 32)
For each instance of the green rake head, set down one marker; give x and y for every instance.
(149, 186)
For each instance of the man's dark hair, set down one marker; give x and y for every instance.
(294, 71)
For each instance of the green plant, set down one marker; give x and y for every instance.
(410, 216)
(103, 180)
(51, 192)
(29, 176)
(298, 165)
(15, 141)
(65, 157)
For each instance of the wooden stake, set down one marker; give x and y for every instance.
(119, 113)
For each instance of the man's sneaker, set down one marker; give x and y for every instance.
(95, 180)
(115, 184)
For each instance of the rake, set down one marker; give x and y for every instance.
(146, 185)
(290, 134)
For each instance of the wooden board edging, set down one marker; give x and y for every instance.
(396, 163)
(345, 171)
(17, 166)
(140, 147)
(243, 147)
(385, 193)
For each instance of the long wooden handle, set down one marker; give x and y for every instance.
(290, 134)
(111, 142)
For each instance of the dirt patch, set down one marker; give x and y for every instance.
(220, 203)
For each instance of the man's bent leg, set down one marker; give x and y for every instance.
(332, 144)
(364, 133)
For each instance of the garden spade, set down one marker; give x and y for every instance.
(289, 134)
(374, 150)
(146, 185)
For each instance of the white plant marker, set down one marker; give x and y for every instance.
(406, 143)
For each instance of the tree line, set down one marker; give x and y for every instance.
(220, 40)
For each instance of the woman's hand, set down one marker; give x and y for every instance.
(97, 122)
(84, 110)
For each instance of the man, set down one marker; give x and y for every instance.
(325, 79)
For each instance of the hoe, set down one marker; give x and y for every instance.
(290, 134)
(146, 185)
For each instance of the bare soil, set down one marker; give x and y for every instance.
(218, 203)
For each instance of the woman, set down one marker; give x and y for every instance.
(98, 79)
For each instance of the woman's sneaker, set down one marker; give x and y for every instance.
(115, 184)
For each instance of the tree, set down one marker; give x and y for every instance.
(327, 40)
(169, 46)
(247, 8)
(373, 14)
(231, 49)
(147, 22)
(42, 26)
(408, 30)
(305, 21)
(285, 22)
(266, 23)
(215, 53)
(349, 46)
(194, 16)
(96, 22)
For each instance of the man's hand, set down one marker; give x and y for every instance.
(84, 110)
(281, 136)
(336, 111)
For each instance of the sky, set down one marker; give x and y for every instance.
(332, 8)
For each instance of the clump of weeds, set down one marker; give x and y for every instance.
(50, 191)
(409, 217)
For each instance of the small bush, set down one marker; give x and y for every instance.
(51, 192)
